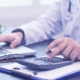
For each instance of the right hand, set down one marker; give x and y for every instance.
(68, 47)
(14, 39)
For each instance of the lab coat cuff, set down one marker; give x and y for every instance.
(20, 30)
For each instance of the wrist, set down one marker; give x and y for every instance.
(20, 33)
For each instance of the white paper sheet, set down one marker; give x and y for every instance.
(49, 75)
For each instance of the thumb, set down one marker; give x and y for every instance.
(14, 43)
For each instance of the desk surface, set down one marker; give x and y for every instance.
(40, 48)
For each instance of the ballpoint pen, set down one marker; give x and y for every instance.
(49, 51)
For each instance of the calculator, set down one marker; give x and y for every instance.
(44, 63)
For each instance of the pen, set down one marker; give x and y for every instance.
(49, 51)
(34, 72)
(16, 68)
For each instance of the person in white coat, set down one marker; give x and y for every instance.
(62, 16)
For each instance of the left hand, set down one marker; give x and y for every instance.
(65, 46)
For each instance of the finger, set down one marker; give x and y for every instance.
(74, 54)
(6, 38)
(15, 43)
(58, 49)
(54, 44)
(49, 54)
(67, 51)
(3, 38)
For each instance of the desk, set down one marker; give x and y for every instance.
(40, 48)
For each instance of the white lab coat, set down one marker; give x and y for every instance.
(54, 22)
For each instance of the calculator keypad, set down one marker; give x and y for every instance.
(54, 60)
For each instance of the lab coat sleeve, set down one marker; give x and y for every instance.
(45, 27)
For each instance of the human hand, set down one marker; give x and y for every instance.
(65, 46)
(14, 38)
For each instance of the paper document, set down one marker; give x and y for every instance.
(52, 74)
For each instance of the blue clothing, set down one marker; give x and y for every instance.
(60, 17)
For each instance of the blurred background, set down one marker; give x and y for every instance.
(17, 12)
